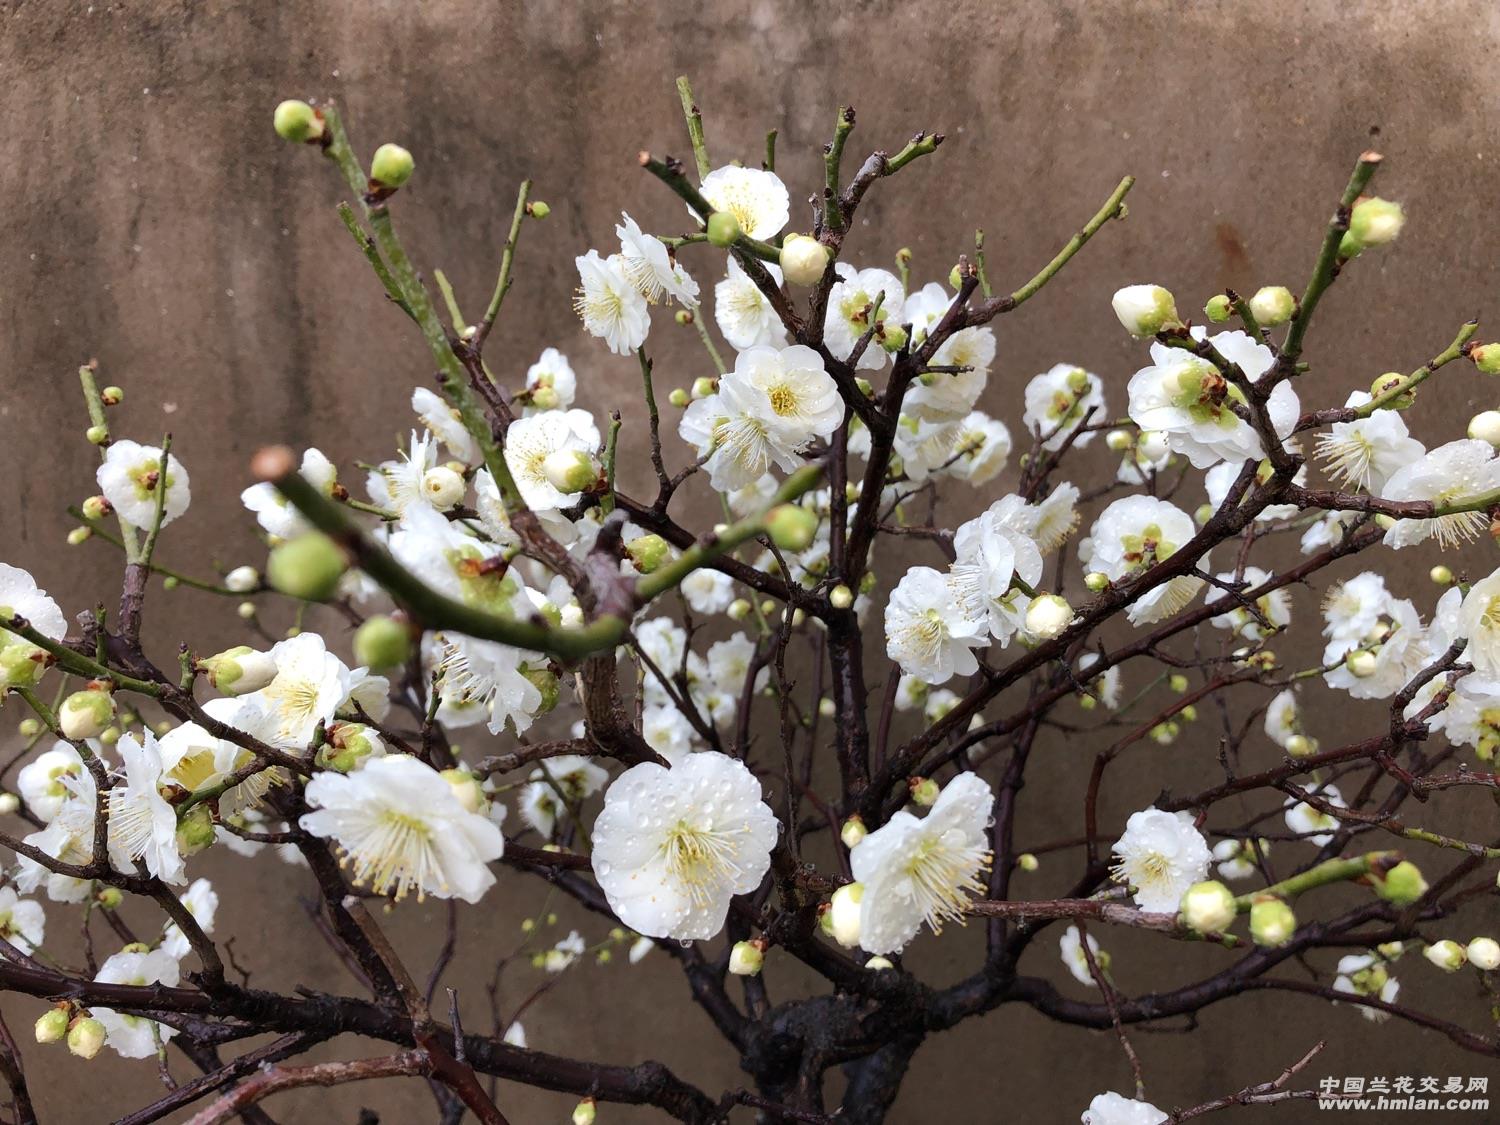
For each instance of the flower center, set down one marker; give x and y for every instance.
(703, 860)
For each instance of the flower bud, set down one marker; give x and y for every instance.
(584, 1112)
(1119, 441)
(1208, 907)
(467, 788)
(298, 122)
(1273, 305)
(791, 528)
(739, 609)
(704, 385)
(443, 488)
(537, 209)
(746, 959)
(649, 552)
(195, 831)
(1447, 955)
(1178, 682)
(52, 1025)
(1047, 615)
(1486, 357)
(307, 567)
(112, 395)
(803, 259)
(853, 832)
(1218, 308)
(570, 470)
(679, 397)
(955, 278)
(85, 1037)
(1096, 581)
(843, 917)
(392, 166)
(723, 228)
(382, 642)
(1484, 953)
(1301, 746)
(1441, 575)
(1145, 310)
(841, 597)
(348, 745)
(1402, 884)
(1390, 381)
(1028, 862)
(546, 682)
(239, 670)
(246, 610)
(893, 338)
(109, 898)
(1361, 663)
(242, 579)
(1373, 222)
(1486, 427)
(1272, 922)
(924, 791)
(85, 714)
(96, 507)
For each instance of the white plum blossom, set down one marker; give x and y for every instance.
(130, 479)
(274, 512)
(454, 562)
(553, 375)
(142, 824)
(1131, 536)
(991, 551)
(651, 268)
(757, 199)
(1367, 974)
(21, 597)
(488, 678)
(444, 422)
(1116, 1109)
(1161, 856)
(928, 630)
(1058, 400)
(135, 1037)
(311, 684)
(1447, 475)
(983, 447)
(672, 846)
(849, 311)
(1479, 618)
(23, 922)
(400, 827)
(45, 782)
(531, 440)
(398, 485)
(1070, 949)
(1310, 822)
(708, 591)
(202, 902)
(1273, 607)
(1367, 452)
(1237, 859)
(743, 313)
(610, 307)
(1400, 646)
(922, 869)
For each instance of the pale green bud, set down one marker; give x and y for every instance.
(1374, 222)
(842, 919)
(1486, 427)
(195, 831)
(1447, 955)
(246, 610)
(467, 788)
(1441, 575)
(570, 470)
(841, 597)
(955, 278)
(584, 1112)
(85, 714)
(239, 670)
(1208, 907)
(546, 682)
(679, 397)
(110, 898)
(879, 964)
(1145, 310)
(1273, 305)
(392, 166)
(924, 791)
(1177, 682)
(893, 339)
(1096, 581)
(1028, 862)
(97, 507)
(1301, 746)
(1486, 358)
(705, 385)
(382, 642)
(110, 736)
(85, 1037)
(9, 804)
(746, 959)
(853, 832)
(826, 707)
(112, 395)
(1218, 308)
(1119, 441)
(1047, 615)
(298, 122)
(1361, 663)
(29, 728)
(723, 228)
(51, 1025)
(1484, 953)
(80, 535)
(739, 609)
(537, 209)
(307, 567)
(649, 552)
(803, 259)
(443, 487)
(791, 528)
(1390, 381)
(97, 435)
(1272, 922)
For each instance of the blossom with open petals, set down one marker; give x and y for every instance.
(1161, 856)
(131, 479)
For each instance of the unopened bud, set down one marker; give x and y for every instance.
(1447, 955)
(110, 898)
(723, 228)
(1486, 357)
(1208, 907)
(1177, 682)
(843, 917)
(1272, 922)
(307, 567)
(195, 831)
(739, 609)
(649, 552)
(1394, 381)
(1048, 615)
(1218, 308)
(1300, 746)
(841, 597)
(242, 579)
(1373, 222)
(679, 397)
(298, 122)
(1145, 310)
(803, 259)
(443, 488)
(853, 832)
(1441, 575)
(1361, 663)
(1273, 305)
(9, 804)
(924, 791)
(85, 714)
(537, 209)
(570, 470)
(879, 964)
(85, 1037)
(51, 1025)
(1484, 953)
(1028, 862)
(239, 670)
(791, 527)
(382, 642)
(467, 788)
(112, 395)
(705, 385)
(746, 959)
(1486, 427)
(97, 435)
(1096, 581)
(96, 507)
(1401, 885)
(392, 166)
(584, 1112)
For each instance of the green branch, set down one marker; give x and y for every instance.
(1321, 875)
(694, 127)
(1453, 351)
(1113, 206)
(507, 258)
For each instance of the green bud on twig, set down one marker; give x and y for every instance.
(391, 166)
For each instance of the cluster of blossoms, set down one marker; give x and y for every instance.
(502, 590)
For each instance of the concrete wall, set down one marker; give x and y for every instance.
(152, 220)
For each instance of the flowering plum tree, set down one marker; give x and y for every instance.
(692, 723)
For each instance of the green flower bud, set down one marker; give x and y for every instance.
(842, 919)
(841, 597)
(853, 832)
(97, 435)
(1362, 663)
(705, 385)
(110, 736)
(85, 1037)
(79, 536)
(739, 609)
(746, 958)
(1028, 862)
(239, 670)
(1208, 907)
(382, 642)
(1047, 615)
(21, 662)
(97, 507)
(348, 745)
(893, 339)
(649, 552)
(723, 228)
(683, 317)
(85, 714)
(1301, 746)
(467, 788)
(1218, 308)
(924, 791)
(791, 527)
(1273, 305)
(1375, 222)
(1145, 310)
(955, 278)
(307, 567)
(803, 259)
(29, 728)
(112, 396)
(584, 1112)
(1441, 575)
(195, 831)
(1401, 885)
(679, 398)
(1096, 581)
(109, 898)
(297, 122)
(1486, 358)
(392, 166)
(537, 209)
(1272, 922)
(546, 682)
(1177, 682)
(52, 1025)
(1486, 427)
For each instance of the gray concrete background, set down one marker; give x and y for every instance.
(153, 220)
